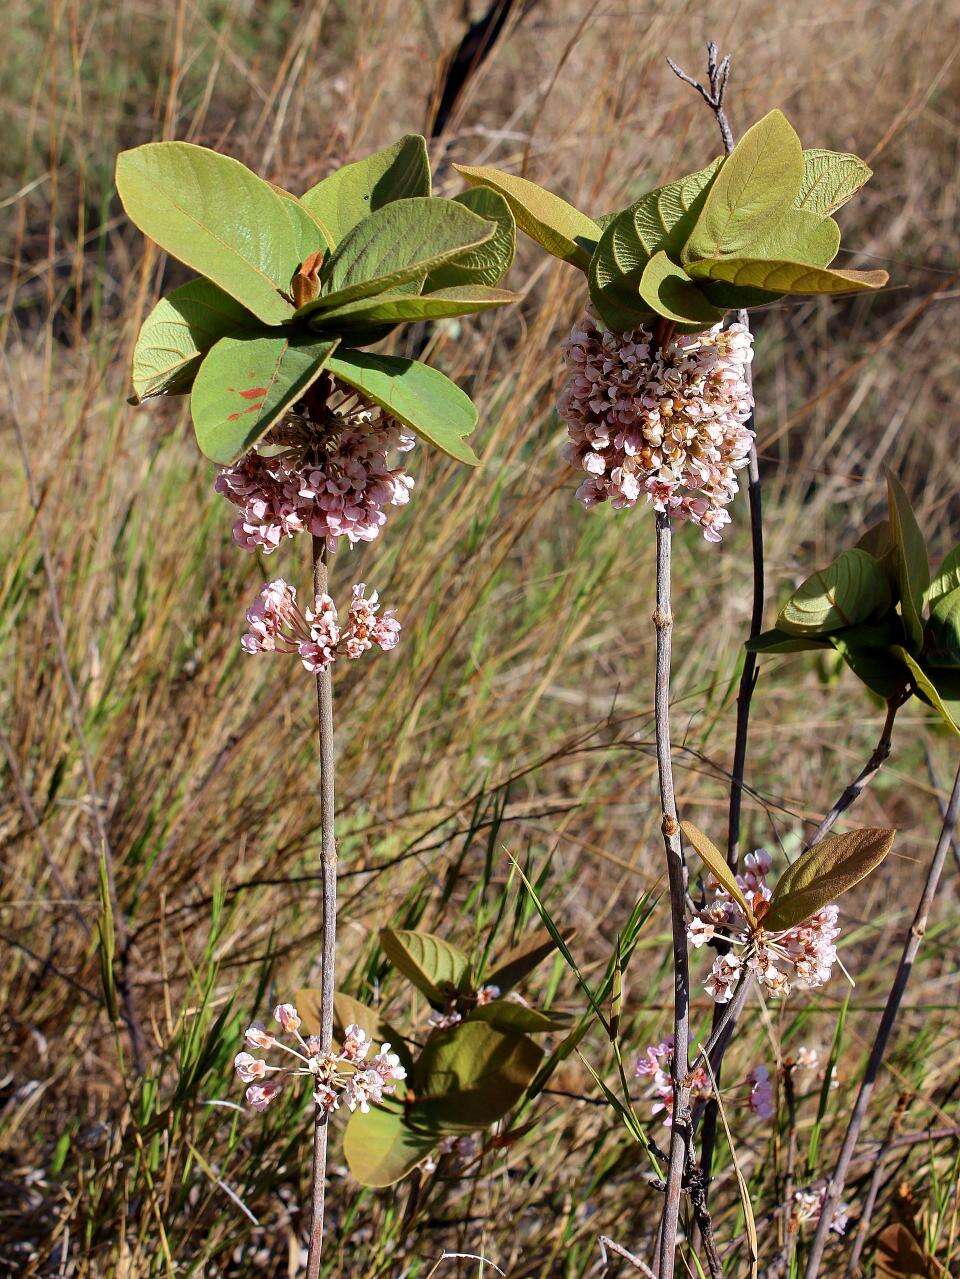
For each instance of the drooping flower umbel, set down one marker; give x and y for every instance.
(801, 956)
(350, 1075)
(332, 479)
(277, 624)
(665, 423)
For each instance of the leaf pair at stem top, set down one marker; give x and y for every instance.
(745, 230)
(290, 287)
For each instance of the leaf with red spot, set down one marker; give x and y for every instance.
(245, 385)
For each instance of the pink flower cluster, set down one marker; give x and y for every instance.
(331, 482)
(278, 625)
(801, 956)
(670, 426)
(654, 1064)
(350, 1075)
(808, 1205)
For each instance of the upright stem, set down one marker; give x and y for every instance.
(680, 1129)
(911, 947)
(328, 872)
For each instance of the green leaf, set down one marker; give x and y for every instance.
(555, 225)
(667, 289)
(830, 179)
(212, 213)
(507, 1014)
(397, 245)
(382, 1147)
(878, 541)
(347, 196)
(800, 236)
(421, 397)
(777, 641)
(470, 1075)
(913, 567)
(512, 967)
(927, 690)
(491, 261)
(785, 277)
(394, 308)
(716, 863)
(869, 651)
(852, 590)
(246, 384)
(178, 332)
(436, 967)
(944, 629)
(758, 179)
(946, 578)
(823, 873)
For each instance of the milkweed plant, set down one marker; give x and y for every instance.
(311, 432)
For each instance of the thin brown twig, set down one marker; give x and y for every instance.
(869, 1203)
(328, 870)
(680, 1128)
(911, 947)
(608, 1244)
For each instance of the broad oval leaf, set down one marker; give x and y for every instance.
(944, 628)
(471, 1075)
(399, 244)
(556, 225)
(382, 1147)
(246, 384)
(212, 213)
(777, 641)
(870, 652)
(800, 236)
(852, 590)
(947, 576)
(878, 541)
(178, 332)
(786, 277)
(926, 688)
(716, 863)
(758, 179)
(421, 397)
(913, 567)
(667, 289)
(352, 192)
(491, 261)
(507, 1014)
(395, 308)
(830, 179)
(436, 967)
(513, 966)
(822, 873)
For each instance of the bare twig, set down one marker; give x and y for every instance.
(911, 946)
(866, 775)
(869, 1203)
(328, 871)
(607, 1244)
(124, 986)
(680, 1128)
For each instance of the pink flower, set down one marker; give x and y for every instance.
(671, 428)
(387, 1065)
(258, 1037)
(331, 481)
(277, 624)
(288, 1017)
(259, 1096)
(487, 994)
(356, 1044)
(761, 1092)
(249, 1067)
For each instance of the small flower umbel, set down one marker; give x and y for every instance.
(784, 936)
(351, 1075)
(278, 625)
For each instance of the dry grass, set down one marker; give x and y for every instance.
(515, 716)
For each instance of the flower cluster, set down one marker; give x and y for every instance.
(668, 425)
(351, 1075)
(808, 1205)
(654, 1064)
(450, 1015)
(761, 1092)
(332, 481)
(801, 956)
(278, 625)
